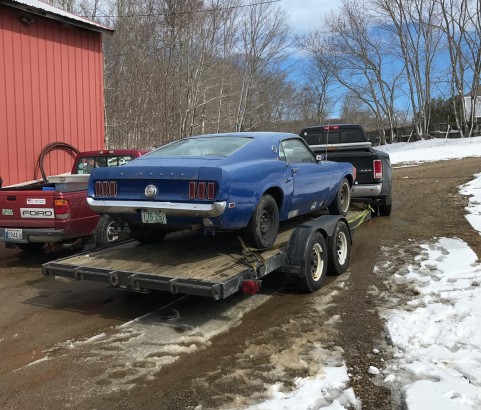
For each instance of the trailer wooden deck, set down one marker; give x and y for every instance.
(184, 262)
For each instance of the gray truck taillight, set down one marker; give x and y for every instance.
(377, 165)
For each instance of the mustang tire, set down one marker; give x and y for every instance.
(105, 231)
(261, 231)
(339, 249)
(340, 204)
(314, 264)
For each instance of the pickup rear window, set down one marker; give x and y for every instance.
(332, 136)
(86, 164)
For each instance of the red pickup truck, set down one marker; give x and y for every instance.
(56, 211)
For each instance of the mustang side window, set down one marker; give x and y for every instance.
(295, 151)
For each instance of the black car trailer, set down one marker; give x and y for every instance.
(218, 266)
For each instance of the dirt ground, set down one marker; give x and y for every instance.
(37, 313)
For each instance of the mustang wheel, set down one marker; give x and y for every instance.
(106, 231)
(339, 249)
(314, 264)
(261, 231)
(341, 202)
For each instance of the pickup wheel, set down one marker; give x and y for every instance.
(31, 246)
(385, 206)
(339, 249)
(261, 231)
(105, 231)
(340, 204)
(313, 262)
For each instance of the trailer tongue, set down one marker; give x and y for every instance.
(217, 266)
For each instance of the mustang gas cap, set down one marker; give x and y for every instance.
(150, 191)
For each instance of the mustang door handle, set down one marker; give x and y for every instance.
(295, 170)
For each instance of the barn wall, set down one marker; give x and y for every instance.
(51, 89)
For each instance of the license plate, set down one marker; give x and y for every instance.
(13, 234)
(153, 217)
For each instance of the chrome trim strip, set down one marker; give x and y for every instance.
(170, 208)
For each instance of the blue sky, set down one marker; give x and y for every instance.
(305, 15)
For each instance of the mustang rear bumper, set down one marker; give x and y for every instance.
(170, 208)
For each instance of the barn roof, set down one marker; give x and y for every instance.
(54, 13)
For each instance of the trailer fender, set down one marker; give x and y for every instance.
(309, 248)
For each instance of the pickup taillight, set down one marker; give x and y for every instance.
(377, 165)
(61, 208)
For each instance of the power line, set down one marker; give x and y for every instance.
(173, 13)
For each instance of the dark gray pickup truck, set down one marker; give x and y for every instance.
(349, 143)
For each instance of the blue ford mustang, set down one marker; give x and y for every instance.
(246, 181)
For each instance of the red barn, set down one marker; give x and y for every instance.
(51, 87)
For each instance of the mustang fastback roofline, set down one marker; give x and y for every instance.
(170, 208)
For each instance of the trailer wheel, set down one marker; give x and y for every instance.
(313, 264)
(339, 249)
(105, 231)
(261, 231)
(340, 204)
(31, 246)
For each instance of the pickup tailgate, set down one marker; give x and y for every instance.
(27, 209)
(362, 159)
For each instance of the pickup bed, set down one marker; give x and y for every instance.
(56, 210)
(349, 143)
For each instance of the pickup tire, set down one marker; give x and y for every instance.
(312, 258)
(31, 246)
(105, 231)
(340, 204)
(339, 249)
(261, 231)
(385, 206)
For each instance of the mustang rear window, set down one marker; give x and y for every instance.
(200, 147)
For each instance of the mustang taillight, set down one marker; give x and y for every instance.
(61, 208)
(201, 190)
(377, 164)
(106, 189)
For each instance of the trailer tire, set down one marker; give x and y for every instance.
(314, 260)
(103, 233)
(261, 231)
(31, 246)
(339, 249)
(340, 204)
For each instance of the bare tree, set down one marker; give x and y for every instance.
(319, 76)
(413, 28)
(263, 45)
(462, 29)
